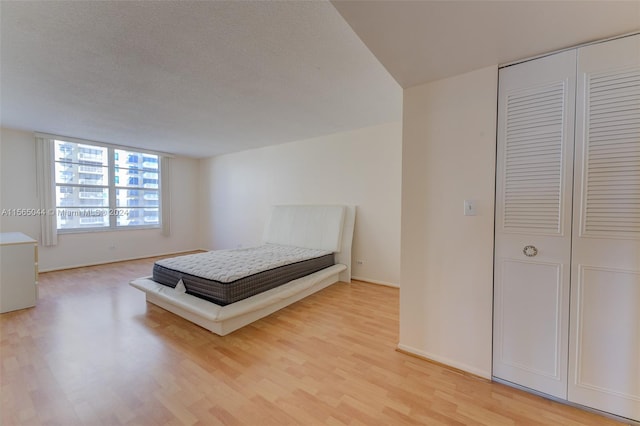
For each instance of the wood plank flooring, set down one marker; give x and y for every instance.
(93, 352)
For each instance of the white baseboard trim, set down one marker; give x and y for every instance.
(446, 361)
(125, 259)
(369, 280)
(623, 420)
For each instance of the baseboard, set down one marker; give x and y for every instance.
(369, 280)
(623, 420)
(126, 259)
(445, 362)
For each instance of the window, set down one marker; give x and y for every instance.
(100, 187)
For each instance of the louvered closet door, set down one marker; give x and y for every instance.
(605, 294)
(533, 211)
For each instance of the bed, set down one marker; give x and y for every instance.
(197, 289)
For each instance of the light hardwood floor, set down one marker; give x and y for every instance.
(93, 352)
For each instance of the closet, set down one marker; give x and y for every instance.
(567, 230)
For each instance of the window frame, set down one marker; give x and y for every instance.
(112, 186)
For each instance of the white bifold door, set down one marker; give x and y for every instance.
(533, 223)
(567, 260)
(604, 350)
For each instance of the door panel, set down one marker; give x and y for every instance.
(604, 355)
(534, 291)
(605, 299)
(533, 208)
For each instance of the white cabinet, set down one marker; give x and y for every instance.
(18, 271)
(567, 259)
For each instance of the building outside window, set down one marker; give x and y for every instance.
(100, 187)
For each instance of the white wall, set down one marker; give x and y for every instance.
(361, 167)
(18, 190)
(449, 137)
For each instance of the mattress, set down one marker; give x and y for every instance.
(227, 276)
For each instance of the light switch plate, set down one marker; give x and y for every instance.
(469, 207)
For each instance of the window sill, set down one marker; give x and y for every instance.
(105, 229)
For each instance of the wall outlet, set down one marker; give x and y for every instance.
(359, 262)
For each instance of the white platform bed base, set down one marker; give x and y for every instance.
(223, 320)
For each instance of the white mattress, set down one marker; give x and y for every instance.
(226, 266)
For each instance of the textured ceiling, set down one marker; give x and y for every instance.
(211, 77)
(192, 78)
(422, 41)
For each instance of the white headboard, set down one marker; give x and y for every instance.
(327, 227)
